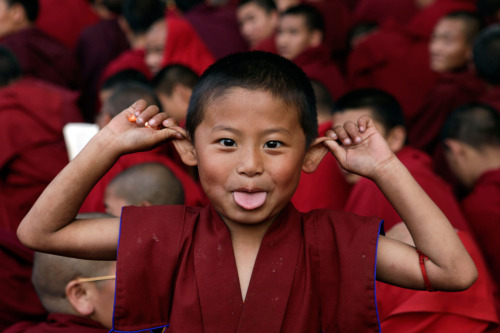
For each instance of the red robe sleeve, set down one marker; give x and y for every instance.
(482, 209)
(130, 59)
(314, 272)
(185, 47)
(472, 310)
(18, 299)
(65, 20)
(193, 194)
(366, 199)
(32, 149)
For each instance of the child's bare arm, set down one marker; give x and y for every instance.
(449, 266)
(50, 225)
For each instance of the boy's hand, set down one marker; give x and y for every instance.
(142, 127)
(360, 148)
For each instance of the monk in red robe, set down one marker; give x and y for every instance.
(300, 39)
(39, 54)
(472, 148)
(249, 261)
(32, 147)
(450, 52)
(404, 310)
(18, 299)
(78, 294)
(66, 20)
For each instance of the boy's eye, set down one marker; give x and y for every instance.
(273, 144)
(227, 143)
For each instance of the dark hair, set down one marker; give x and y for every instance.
(475, 124)
(313, 18)
(267, 5)
(126, 94)
(488, 9)
(126, 75)
(471, 20)
(170, 76)
(31, 7)
(142, 14)
(324, 100)
(260, 71)
(385, 108)
(114, 6)
(9, 67)
(486, 54)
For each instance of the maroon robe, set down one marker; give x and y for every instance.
(59, 323)
(380, 11)
(193, 195)
(32, 149)
(267, 45)
(366, 198)
(18, 299)
(65, 20)
(97, 46)
(218, 28)
(450, 91)
(482, 209)
(413, 311)
(314, 272)
(324, 188)
(130, 59)
(44, 57)
(317, 65)
(492, 97)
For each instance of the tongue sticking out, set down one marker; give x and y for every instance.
(249, 200)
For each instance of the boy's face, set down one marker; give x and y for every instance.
(156, 38)
(7, 21)
(255, 23)
(448, 47)
(293, 36)
(250, 149)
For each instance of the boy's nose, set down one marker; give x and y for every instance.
(250, 163)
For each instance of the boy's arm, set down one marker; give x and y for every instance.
(365, 151)
(50, 225)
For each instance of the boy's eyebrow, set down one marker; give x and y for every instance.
(236, 131)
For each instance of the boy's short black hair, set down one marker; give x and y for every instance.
(486, 54)
(385, 107)
(31, 7)
(142, 14)
(313, 18)
(475, 124)
(259, 71)
(125, 94)
(126, 75)
(10, 69)
(267, 5)
(471, 20)
(170, 76)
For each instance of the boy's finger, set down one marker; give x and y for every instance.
(147, 114)
(364, 122)
(353, 131)
(342, 135)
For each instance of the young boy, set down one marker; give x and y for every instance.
(249, 261)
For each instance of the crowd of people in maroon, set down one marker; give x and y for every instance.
(62, 61)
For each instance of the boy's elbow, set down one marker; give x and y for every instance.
(465, 278)
(26, 237)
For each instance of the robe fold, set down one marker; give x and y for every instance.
(59, 323)
(193, 194)
(381, 11)
(44, 57)
(482, 209)
(65, 20)
(317, 64)
(314, 272)
(32, 149)
(18, 299)
(324, 188)
(450, 91)
(414, 311)
(97, 46)
(218, 28)
(366, 198)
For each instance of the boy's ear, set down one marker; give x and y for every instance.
(316, 38)
(186, 150)
(396, 138)
(78, 296)
(314, 155)
(455, 147)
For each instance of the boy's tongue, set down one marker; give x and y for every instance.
(249, 200)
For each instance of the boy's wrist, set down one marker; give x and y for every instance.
(388, 170)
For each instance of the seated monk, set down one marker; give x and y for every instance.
(39, 54)
(258, 20)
